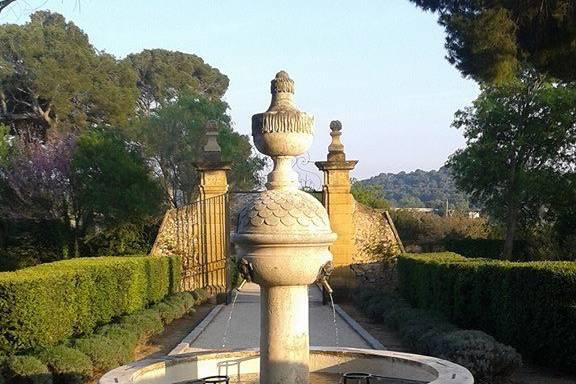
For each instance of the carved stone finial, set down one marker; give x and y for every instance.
(336, 148)
(282, 132)
(211, 148)
(282, 83)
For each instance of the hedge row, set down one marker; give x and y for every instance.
(48, 303)
(428, 333)
(530, 305)
(79, 360)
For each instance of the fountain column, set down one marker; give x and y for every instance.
(282, 239)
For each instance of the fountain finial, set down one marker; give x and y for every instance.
(282, 132)
(282, 83)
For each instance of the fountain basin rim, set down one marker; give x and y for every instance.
(446, 371)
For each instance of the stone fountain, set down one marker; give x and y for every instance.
(283, 238)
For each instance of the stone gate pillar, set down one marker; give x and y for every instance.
(211, 215)
(339, 203)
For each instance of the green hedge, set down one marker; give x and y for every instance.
(529, 305)
(45, 304)
(79, 360)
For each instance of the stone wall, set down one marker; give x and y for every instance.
(377, 245)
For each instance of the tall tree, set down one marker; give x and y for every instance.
(51, 77)
(488, 40)
(164, 76)
(521, 138)
(172, 138)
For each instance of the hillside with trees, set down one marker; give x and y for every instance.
(420, 188)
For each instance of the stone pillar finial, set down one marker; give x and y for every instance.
(336, 148)
(211, 148)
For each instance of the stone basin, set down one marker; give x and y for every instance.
(192, 366)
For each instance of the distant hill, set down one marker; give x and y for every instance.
(420, 189)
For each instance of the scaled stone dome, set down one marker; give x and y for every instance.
(283, 212)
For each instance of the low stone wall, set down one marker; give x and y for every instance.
(377, 245)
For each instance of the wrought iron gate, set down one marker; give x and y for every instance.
(200, 233)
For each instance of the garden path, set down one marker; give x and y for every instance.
(238, 326)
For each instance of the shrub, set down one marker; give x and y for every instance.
(27, 370)
(101, 350)
(429, 333)
(48, 303)
(128, 337)
(485, 357)
(144, 323)
(529, 305)
(68, 366)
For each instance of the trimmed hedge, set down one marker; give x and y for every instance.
(27, 370)
(68, 366)
(48, 303)
(428, 333)
(77, 361)
(530, 305)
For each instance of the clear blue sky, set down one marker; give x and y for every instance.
(378, 66)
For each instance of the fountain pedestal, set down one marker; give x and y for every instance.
(284, 337)
(282, 239)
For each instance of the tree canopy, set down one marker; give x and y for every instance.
(491, 40)
(420, 189)
(521, 150)
(52, 78)
(172, 138)
(164, 76)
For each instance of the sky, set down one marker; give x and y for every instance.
(377, 66)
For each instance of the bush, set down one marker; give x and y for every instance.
(479, 351)
(27, 370)
(102, 351)
(48, 303)
(529, 305)
(68, 366)
(144, 323)
(429, 333)
(128, 338)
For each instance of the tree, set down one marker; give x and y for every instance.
(172, 138)
(51, 77)
(521, 138)
(371, 195)
(36, 179)
(489, 40)
(164, 76)
(114, 191)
